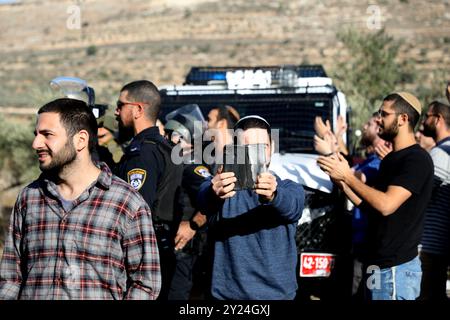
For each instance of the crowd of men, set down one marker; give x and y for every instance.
(401, 199)
(113, 216)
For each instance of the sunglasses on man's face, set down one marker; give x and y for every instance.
(120, 104)
(384, 114)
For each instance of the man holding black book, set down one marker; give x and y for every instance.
(255, 253)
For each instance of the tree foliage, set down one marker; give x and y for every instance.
(435, 91)
(18, 162)
(372, 71)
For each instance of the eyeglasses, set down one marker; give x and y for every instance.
(120, 104)
(384, 114)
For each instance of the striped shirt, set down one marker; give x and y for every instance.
(103, 248)
(436, 233)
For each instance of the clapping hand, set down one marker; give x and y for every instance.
(335, 166)
(321, 128)
(382, 149)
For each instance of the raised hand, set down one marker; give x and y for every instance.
(382, 149)
(223, 184)
(341, 127)
(335, 166)
(320, 127)
(266, 186)
(326, 145)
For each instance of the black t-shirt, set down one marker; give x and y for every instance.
(393, 239)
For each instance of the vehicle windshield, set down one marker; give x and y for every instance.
(292, 114)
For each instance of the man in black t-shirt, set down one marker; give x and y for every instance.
(396, 205)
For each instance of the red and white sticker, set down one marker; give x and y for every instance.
(316, 264)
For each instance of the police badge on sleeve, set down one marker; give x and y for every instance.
(136, 178)
(202, 171)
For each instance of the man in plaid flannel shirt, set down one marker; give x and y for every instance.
(78, 232)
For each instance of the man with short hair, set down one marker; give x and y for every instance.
(148, 167)
(435, 253)
(223, 118)
(255, 253)
(78, 232)
(395, 205)
(221, 121)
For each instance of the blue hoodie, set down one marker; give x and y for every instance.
(255, 252)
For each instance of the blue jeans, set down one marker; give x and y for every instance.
(400, 282)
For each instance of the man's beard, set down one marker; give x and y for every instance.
(125, 134)
(61, 159)
(429, 130)
(366, 140)
(389, 133)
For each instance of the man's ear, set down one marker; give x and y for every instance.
(138, 111)
(81, 140)
(438, 120)
(403, 119)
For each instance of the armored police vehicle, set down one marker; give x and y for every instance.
(289, 97)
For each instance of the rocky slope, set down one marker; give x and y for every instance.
(161, 39)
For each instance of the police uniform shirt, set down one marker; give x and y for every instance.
(143, 164)
(193, 176)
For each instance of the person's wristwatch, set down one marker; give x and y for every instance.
(193, 225)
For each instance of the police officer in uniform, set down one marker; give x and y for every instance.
(147, 166)
(184, 128)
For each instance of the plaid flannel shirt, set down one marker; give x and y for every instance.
(103, 248)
